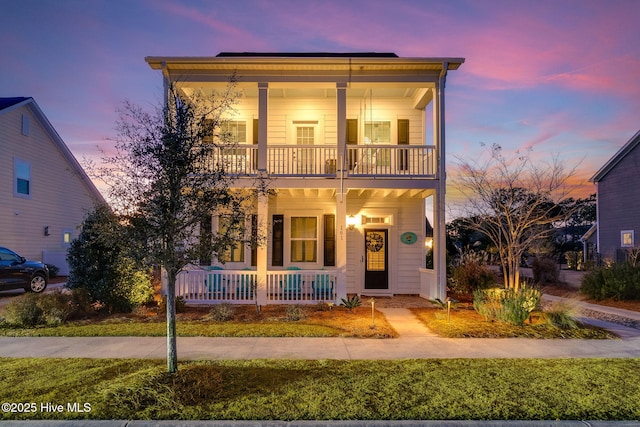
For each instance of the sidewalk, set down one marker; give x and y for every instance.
(415, 342)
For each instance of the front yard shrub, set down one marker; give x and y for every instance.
(562, 315)
(24, 311)
(222, 312)
(507, 305)
(56, 307)
(102, 260)
(53, 271)
(351, 302)
(470, 273)
(295, 312)
(618, 281)
(545, 270)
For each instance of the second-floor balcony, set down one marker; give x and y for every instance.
(323, 160)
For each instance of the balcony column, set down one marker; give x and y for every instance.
(439, 231)
(261, 252)
(263, 112)
(341, 196)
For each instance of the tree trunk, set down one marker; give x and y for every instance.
(172, 348)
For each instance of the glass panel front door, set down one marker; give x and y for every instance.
(376, 275)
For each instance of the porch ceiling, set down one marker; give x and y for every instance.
(363, 193)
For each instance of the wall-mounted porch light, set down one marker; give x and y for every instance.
(352, 221)
(428, 242)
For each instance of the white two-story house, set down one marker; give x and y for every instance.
(353, 144)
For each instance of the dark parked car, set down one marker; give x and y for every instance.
(18, 272)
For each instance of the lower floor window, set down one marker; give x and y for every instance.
(627, 238)
(304, 239)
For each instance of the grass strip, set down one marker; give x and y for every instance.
(467, 323)
(484, 389)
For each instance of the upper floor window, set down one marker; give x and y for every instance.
(22, 178)
(378, 132)
(234, 131)
(305, 135)
(627, 238)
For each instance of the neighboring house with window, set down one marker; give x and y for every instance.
(618, 204)
(44, 192)
(353, 144)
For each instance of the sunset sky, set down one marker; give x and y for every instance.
(555, 76)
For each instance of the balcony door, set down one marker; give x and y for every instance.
(376, 262)
(304, 156)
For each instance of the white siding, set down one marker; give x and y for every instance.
(58, 200)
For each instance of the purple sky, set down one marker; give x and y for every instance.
(556, 76)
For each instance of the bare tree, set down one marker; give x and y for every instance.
(514, 202)
(167, 174)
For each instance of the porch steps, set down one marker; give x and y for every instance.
(405, 323)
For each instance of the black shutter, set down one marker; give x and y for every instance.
(277, 243)
(329, 240)
(254, 240)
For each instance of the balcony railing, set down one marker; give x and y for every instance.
(322, 160)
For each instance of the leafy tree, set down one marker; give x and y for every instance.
(514, 202)
(102, 262)
(167, 175)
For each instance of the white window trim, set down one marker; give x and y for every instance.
(64, 232)
(318, 214)
(633, 240)
(235, 265)
(17, 161)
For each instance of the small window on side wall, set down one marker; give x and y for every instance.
(67, 237)
(22, 178)
(627, 238)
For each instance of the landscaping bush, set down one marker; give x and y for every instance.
(469, 273)
(351, 302)
(545, 270)
(52, 308)
(507, 305)
(295, 312)
(618, 281)
(102, 261)
(24, 311)
(222, 312)
(562, 315)
(53, 270)
(56, 307)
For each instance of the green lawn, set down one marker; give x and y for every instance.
(597, 389)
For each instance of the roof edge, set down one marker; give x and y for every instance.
(616, 158)
(32, 105)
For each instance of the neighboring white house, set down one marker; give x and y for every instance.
(353, 144)
(44, 192)
(618, 204)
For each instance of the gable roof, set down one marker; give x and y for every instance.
(9, 104)
(613, 161)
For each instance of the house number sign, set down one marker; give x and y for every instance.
(408, 238)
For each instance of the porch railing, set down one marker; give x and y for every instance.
(206, 286)
(302, 160)
(322, 160)
(301, 286)
(199, 286)
(391, 160)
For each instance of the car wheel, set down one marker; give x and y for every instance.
(38, 284)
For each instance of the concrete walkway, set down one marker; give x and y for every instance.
(415, 341)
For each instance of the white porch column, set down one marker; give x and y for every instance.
(439, 230)
(263, 112)
(262, 259)
(341, 245)
(341, 193)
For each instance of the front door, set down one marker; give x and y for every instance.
(376, 271)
